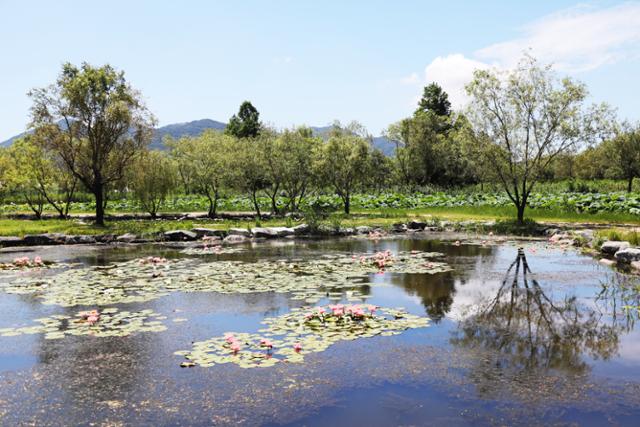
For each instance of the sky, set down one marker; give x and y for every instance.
(312, 62)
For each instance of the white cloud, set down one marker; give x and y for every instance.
(576, 39)
(452, 72)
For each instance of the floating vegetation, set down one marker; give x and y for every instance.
(289, 337)
(144, 280)
(212, 250)
(108, 323)
(25, 262)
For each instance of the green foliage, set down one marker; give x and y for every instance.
(245, 124)
(96, 122)
(153, 177)
(435, 99)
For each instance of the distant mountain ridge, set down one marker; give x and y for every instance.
(196, 127)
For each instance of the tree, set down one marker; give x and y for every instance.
(625, 153)
(435, 99)
(525, 118)
(208, 156)
(41, 176)
(96, 122)
(246, 124)
(153, 177)
(343, 161)
(248, 170)
(292, 161)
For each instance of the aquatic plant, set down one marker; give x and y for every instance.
(289, 337)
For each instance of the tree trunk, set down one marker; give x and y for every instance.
(256, 205)
(630, 184)
(98, 194)
(521, 213)
(347, 204)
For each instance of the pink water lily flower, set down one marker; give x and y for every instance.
(297, 347)
(235, 347)
(230, 338)
(93, 319)
(37, 261)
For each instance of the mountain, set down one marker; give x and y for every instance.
(196, 127)
(177, 130)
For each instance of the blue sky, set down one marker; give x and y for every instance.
(304, 62)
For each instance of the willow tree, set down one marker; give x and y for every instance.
(343, 162)
(525, 118)
(96, 122)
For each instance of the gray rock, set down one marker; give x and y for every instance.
(264, 232)
(80, 240)
(301, 229)
(239, 232)
(363, 229)
(628, 255)
(585, 234)
(235, 238)
(416, 225)
(283, 231)
(126, 238)
(610, 247)
(11, 241)
(346, 231)
(180, 235)
(399, 227)
(635, 265)
(44, 239)
(202, 232)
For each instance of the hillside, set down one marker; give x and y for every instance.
(196, 127)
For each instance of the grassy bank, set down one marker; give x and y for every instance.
(371, 217)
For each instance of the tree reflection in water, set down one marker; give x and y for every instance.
(525, 332)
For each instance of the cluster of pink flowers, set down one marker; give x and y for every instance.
(233, 342)
(379, 259)
(154, 260)
(354, 311)
(91, 316)
(26, 262)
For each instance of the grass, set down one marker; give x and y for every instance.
(379, 217)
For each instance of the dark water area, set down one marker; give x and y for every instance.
(520, 334)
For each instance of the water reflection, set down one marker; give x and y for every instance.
(525, 330)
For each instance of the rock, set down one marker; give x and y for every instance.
(346, 231)
(235, 238)
(264, 232)
(126, 238)
(628, 255)
(179, 235)
(610, 247)
(202, 232)
(239, 232)
(80, 240)
(44, 239)
(607, 261)
(399, 227)
(283, 231)
(635, 265)
(551, 231)
(301, 229)
(584, 234)
(11, 241)
(363, 229)
(416, 225)
(105, 238)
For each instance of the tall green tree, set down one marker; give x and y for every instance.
(245, 124)
(153, 178)
(209, 157)
(343, 161)
(41, 177)
(435, 99)
(96, 122)
(525, 118)
(624, 152)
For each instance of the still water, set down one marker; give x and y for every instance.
(520, 334)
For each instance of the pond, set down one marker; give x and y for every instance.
(443, 333)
